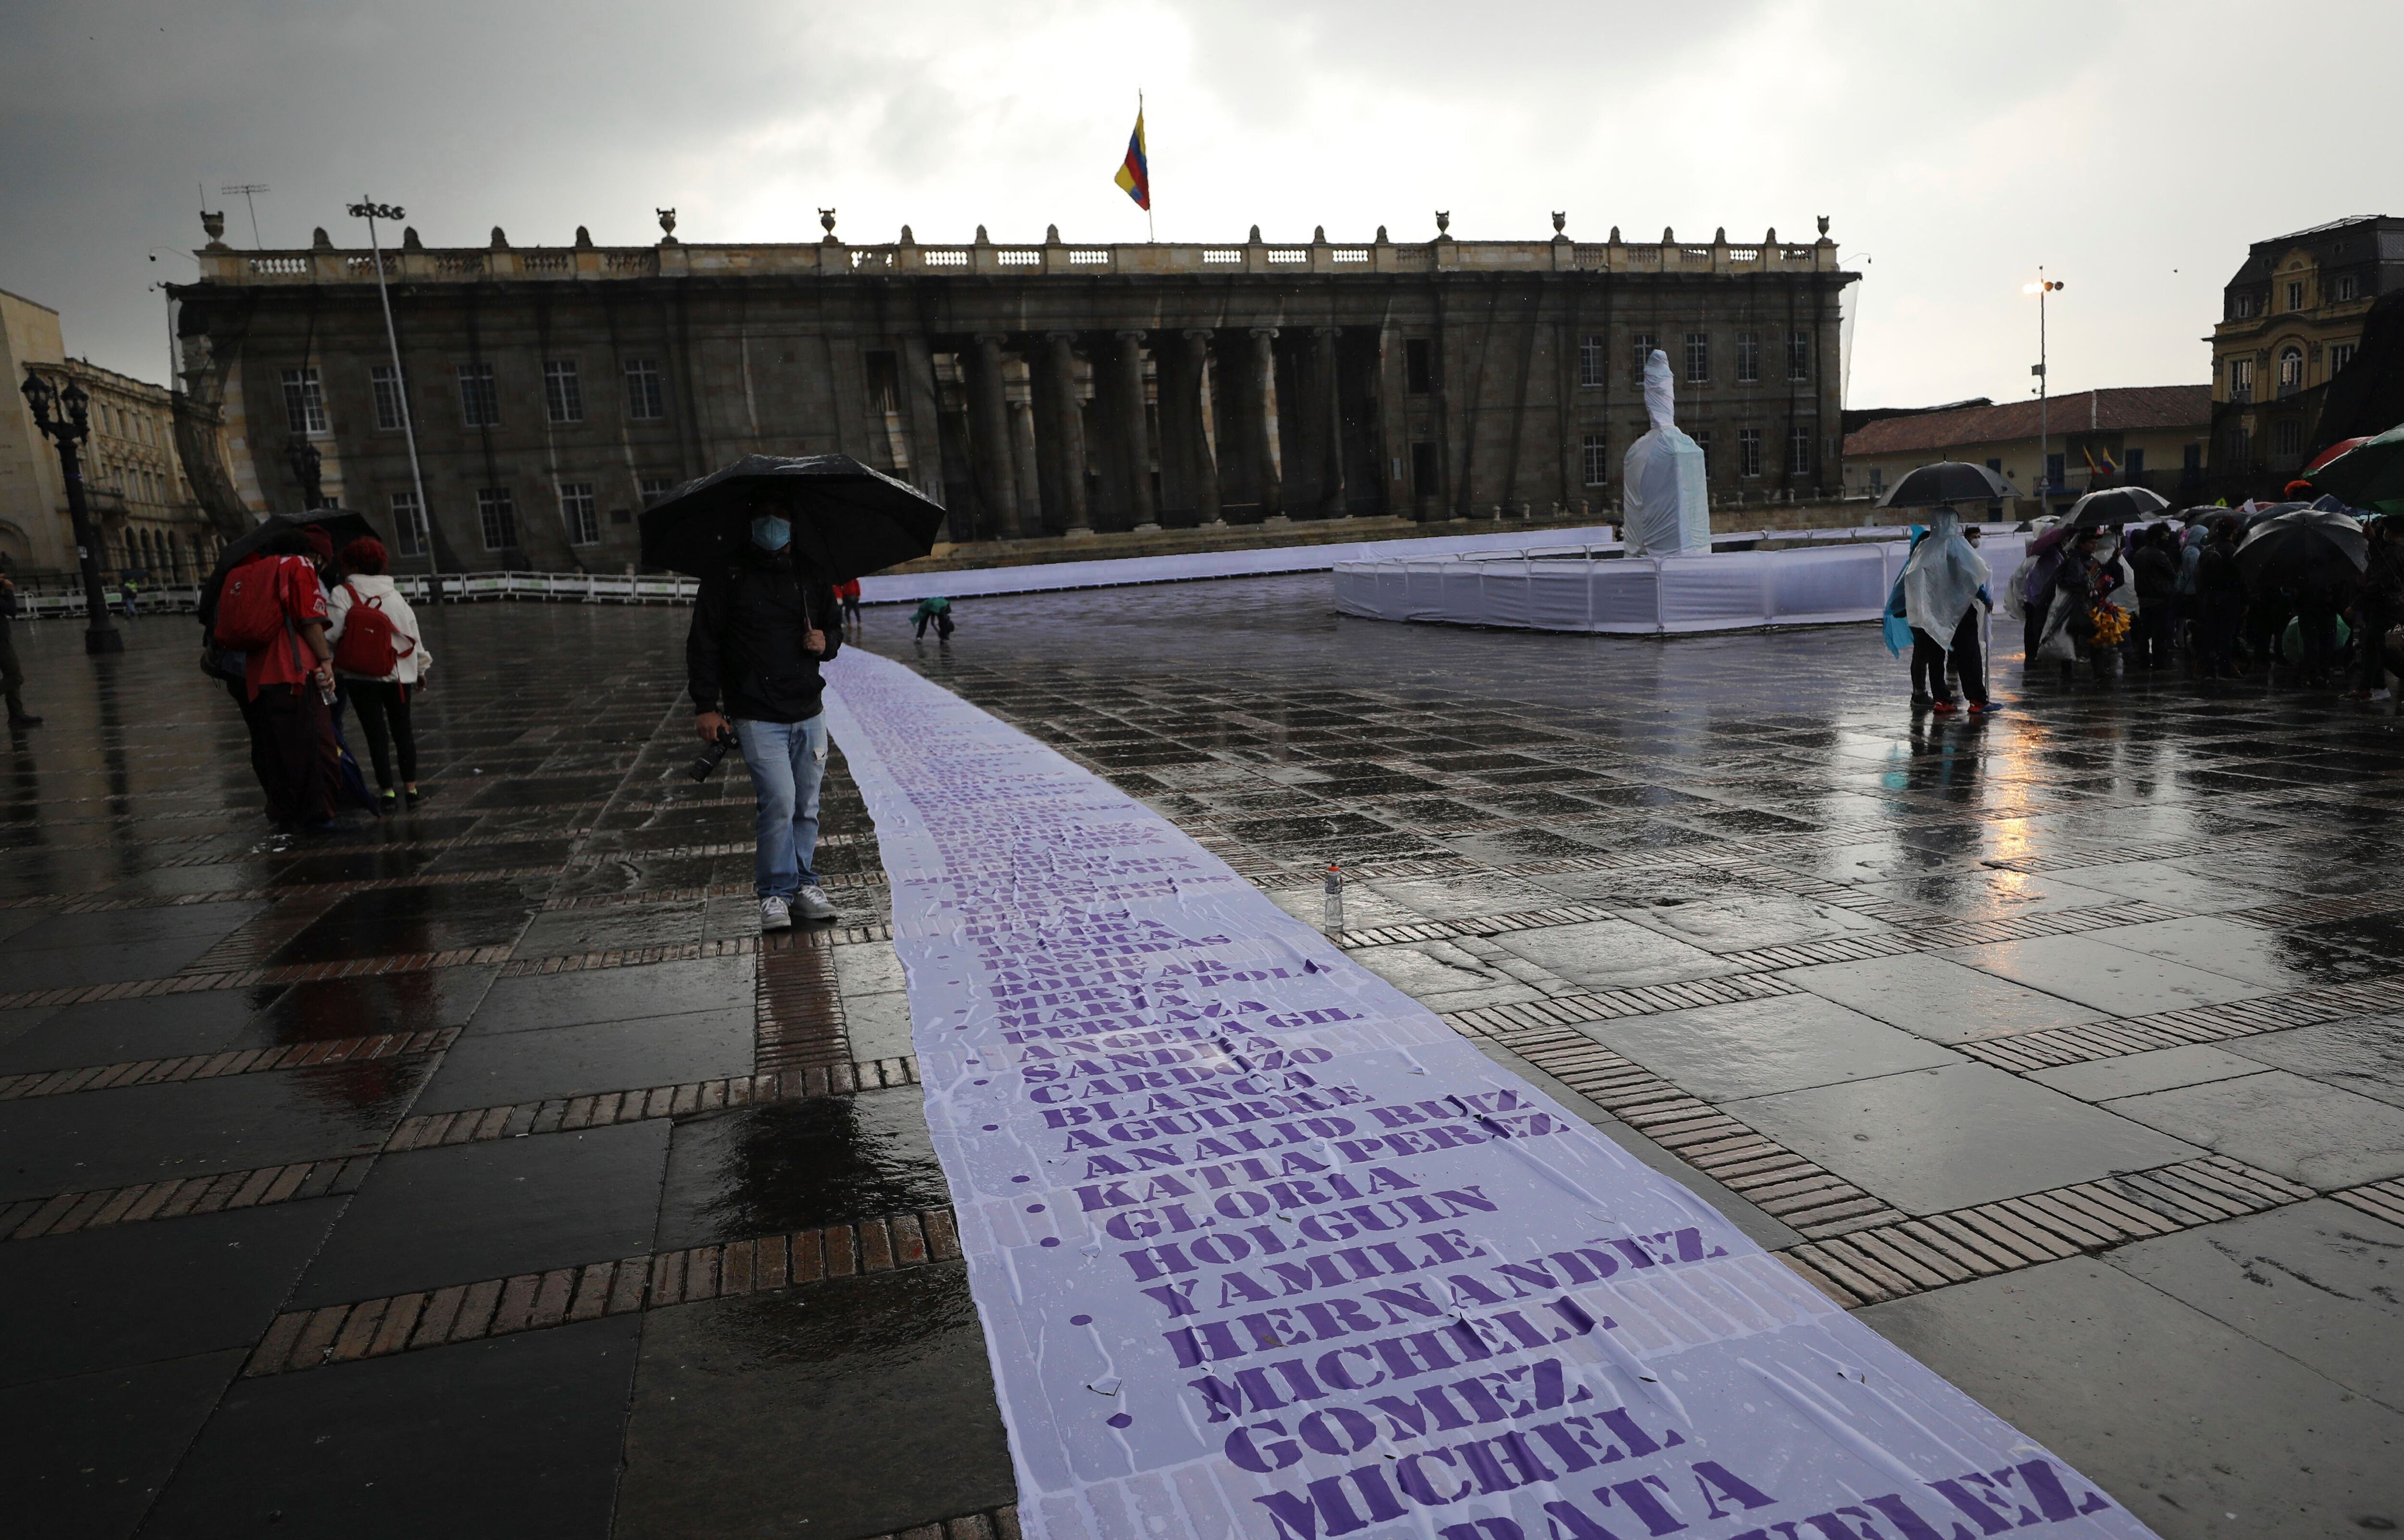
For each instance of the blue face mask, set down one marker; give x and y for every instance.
(771, 532)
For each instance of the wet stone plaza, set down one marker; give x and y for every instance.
(483, 1172)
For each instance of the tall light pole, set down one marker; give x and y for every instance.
(370, 210)
(65, 417)
(2042, 287)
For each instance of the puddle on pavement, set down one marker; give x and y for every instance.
(799, 1165)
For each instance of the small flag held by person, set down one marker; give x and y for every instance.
(1134, 177)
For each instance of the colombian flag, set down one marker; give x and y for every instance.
(1134, 178)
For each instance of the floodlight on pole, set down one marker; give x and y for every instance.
(369, 210)
(2042, 287)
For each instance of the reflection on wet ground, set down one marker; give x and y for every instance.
(1704, 804)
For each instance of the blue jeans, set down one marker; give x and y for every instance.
(788, 759)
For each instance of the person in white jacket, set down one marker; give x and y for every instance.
(380, 697)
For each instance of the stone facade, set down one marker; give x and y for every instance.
(2290, 320)
(142, 507)
(1038, 391)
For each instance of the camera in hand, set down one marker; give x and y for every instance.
(704, 765)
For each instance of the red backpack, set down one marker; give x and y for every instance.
(370, 644)
(250, 615)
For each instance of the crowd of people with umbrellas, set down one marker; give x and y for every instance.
(2307, 592)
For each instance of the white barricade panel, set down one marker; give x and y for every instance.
(1264, 1251)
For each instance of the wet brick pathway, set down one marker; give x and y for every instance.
(481, 1172)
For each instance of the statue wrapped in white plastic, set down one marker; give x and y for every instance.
(1667, 504)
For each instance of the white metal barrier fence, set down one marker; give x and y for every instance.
(466, 588)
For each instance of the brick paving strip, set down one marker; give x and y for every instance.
(297, 973)
(1911, 1255)
(244, 1061)
(2055, 1046)
(1799, 1192)
(32, 1218)
(999, 1523)
(29, 1219)
(2379, 1199)
(498, 1307)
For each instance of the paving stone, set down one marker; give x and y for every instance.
(2104, 1078)
(2180, 1418)
(516, 1435)
(2316, 1134)
(1724, 1053)
(1928, 1140)
(1940, 999)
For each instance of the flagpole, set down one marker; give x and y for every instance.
(1149, 235)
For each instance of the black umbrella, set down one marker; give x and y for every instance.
(2119, 505)
(2305, 549)
(1947, 484)
(848, 519)
(339, 523)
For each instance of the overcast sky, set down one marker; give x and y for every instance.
(2134, 149)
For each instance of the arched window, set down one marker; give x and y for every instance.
(2291, 368)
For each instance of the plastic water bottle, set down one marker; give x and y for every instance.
(1334, 884)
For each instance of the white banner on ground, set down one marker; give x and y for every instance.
(1264, 1251)
(1642, 596)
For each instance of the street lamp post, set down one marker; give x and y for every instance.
(65, 417)
(370, 210)
(2042, 287)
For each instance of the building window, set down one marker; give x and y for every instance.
(2238, 450)
(479, 403)
(1747, 452)
(498, 517)
(2348, 288)
(1645, 345)
(2241, 379)
(1798, 355)
(1703, 441)
(2295, 295)
(1598, 460)
(1590, 360)
(2291, 368)
(407, 524)
(579, 513)
(1419, 366)
(1798, 452)
(562, 395)
(1748, 356)
(2132, 463)
(646, 399)
(1699, 357)
(652, 488)
(305, 403)
(384, 384)
(2286, 437)
(2240, 307)
(1425, 480)
(2055, 471)
(2192, 461)
(2340, 355)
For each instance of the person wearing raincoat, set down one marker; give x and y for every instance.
(2028, 594)
(1941, 584)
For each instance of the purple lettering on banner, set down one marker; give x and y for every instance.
(1253, 1235)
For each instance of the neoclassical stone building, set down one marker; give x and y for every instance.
(1037, 391)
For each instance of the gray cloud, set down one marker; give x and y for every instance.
(1955, 147)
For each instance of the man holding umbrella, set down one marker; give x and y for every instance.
(764, 622)
(769, 536)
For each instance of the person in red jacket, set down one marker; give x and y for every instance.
(285, 686)
(848, 592)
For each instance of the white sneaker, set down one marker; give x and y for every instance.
(813, 903)
(775, 915)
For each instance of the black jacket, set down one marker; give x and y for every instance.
(2157, 572)
(2217, 580)
(743, 654)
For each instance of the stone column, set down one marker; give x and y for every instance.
(1194, 389)
(1329, 409)
(989, 440)
(1135, 439)
(1261, 408)
(1068, 432)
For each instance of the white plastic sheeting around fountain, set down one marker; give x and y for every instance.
(1642, 596)
(1264, 1251)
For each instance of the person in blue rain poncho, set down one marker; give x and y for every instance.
(1937, 599)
